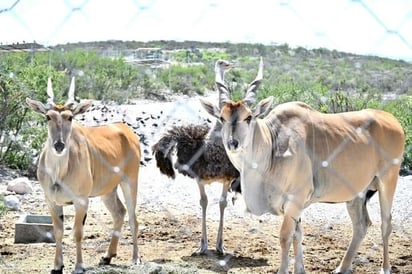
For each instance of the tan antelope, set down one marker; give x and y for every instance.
(79, 162)
(295, 156)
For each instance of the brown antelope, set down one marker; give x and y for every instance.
(79, 162)
(295, 156)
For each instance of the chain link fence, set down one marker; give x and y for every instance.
(173, 213)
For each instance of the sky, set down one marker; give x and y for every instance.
(371, 27)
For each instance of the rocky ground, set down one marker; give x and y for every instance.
(169, 220)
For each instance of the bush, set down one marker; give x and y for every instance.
(14, 115)
(402, 110)
(187, 79)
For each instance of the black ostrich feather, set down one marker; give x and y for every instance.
(197, 155)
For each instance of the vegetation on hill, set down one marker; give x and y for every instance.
(329, 80)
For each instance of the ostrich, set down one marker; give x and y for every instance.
(200, 154)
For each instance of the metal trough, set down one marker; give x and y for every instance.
(34, 229)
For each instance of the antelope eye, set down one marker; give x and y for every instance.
(48, 117)
(70, 118)
(222, 120)
(248, 119)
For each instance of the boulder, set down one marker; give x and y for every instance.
(20, 185)
(12, 202)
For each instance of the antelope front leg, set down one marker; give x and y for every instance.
(291, 231)
(222, 205)
(297, 247)
(56, 213)
(79, 220)
(286, 234)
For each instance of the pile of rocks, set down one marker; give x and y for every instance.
(15, 189)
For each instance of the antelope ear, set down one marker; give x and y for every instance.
(82, 107)
(210, 108)
(263, 107)
(36, 106)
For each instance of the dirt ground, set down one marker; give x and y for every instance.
(169, 222)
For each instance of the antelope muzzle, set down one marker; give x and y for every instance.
(59, 146)
(233, 144)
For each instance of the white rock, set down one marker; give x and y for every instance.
(20, 185)
(12, 202)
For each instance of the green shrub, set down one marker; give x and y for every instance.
(187, 79)
(402, 110)
(14, 115)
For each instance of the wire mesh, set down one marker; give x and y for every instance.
(150, 121)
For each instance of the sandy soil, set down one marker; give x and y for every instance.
(169, 220)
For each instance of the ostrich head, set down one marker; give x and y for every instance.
(221, 67)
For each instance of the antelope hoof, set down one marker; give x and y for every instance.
(137, 261)
(339, 271)
(79, 269)
(59, 271)
(105, 260)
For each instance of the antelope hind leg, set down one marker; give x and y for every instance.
(360, 222)
(130, 193)
(118, 211)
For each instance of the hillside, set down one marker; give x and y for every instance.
(336, 70)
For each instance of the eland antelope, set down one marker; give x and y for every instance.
(294, 156)
(79, 162)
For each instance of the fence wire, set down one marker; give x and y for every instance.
(150, 121)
